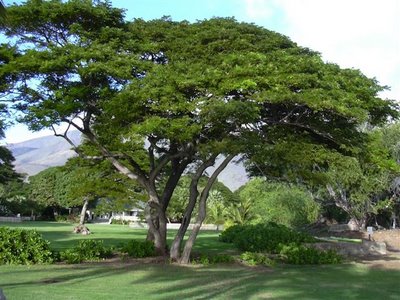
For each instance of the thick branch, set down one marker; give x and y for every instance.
(202, 209)
(211, 180)
(177, 170)
(176, 244)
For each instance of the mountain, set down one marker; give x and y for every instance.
(38, 154)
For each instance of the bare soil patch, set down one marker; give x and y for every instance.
(390, 237)
(392, 240)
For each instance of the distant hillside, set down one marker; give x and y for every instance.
(38, 154)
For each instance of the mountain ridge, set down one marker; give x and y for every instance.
(35, 155)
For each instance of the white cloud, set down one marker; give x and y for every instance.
(361, 34)
(258, 10)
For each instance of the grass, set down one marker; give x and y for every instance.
(61, 236)
(121, 280)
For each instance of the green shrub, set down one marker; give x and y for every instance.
(86, 250)
(229, 234)
(213, 259)
(255, 258)
(302, 255)
(20, 246)
(221, 259)
(139, 249)
(263, 237)
(201, 260)
(67, 218)
(119, 222)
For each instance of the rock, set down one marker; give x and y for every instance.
(374, 247)
(353, 249)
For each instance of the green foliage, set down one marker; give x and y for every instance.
(229, 235)
(119, 222)
(68, 186)
(14, 199)
(205, 260)
(256, 258)
(86, 250)
(305, 255)
(48, 187)
(356, 181)
(263, 237)
(99, 180)
(280, 203)
(7, 172)
(241, 212)
(72, 218)
(139, 249)
(19, 246)
(219, 199)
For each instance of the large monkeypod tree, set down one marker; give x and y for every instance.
(162, 98)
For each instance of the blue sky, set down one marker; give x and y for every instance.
(361, 34)
(192, 10)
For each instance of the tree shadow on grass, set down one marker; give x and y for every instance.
(287, 282)
(164, 281)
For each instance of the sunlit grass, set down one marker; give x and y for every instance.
(61, 236)
(141, 280)
(158, 281)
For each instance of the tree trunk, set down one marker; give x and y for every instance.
(157, 222)
(83, 211)
(194, 193)
(176, 244)
(185, 259)
(81, 228)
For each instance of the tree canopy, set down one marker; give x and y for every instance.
(160, 98)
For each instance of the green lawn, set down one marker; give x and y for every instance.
(120, 280)
(61, 236)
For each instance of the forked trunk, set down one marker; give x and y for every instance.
(185, 259)
(176, 244)
(194, 193)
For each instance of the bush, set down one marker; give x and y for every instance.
(67, 218)
(229, 235)
(119, 222)
(302, 255)
(20, 246)
(255, 258)
(213, 259)
(139, 249)
(86, 250)
(263, 237)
